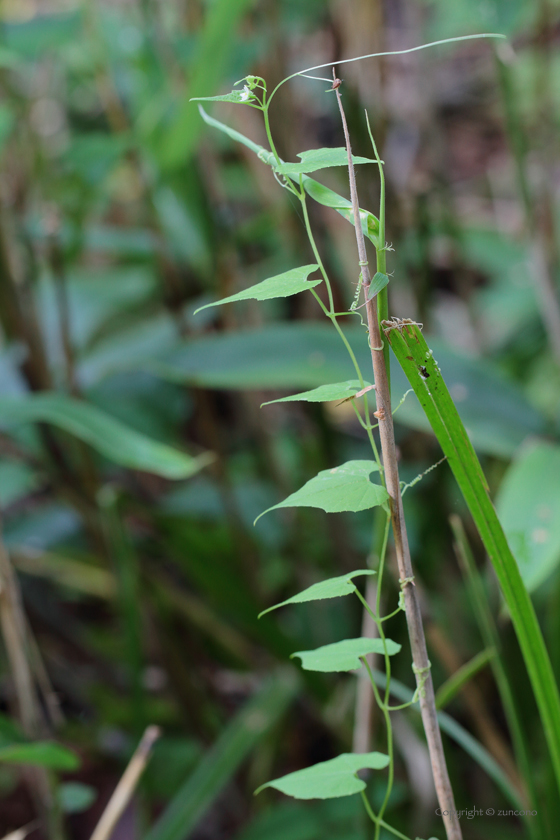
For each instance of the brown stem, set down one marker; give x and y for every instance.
(421, 663)
(126, 786)
(16, 638)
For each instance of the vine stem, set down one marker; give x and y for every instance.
(421, 664)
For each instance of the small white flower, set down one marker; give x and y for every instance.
(245, 94)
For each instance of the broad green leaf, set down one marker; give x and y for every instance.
(305, 355)
(332, 588)
(219, 764)
(40, 753)
(378, 283)
(424, 375)
(329, 779)
(325, 393)
(280, 286)
(315, 159)
(32, 38)
(343, 488)
(110, 437)
(343, 656)
(528, 505)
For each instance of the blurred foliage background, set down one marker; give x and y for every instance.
(134, 456)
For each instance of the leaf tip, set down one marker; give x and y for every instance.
(261, 787)
(262, 514)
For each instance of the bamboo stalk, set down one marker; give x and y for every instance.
(421, 663)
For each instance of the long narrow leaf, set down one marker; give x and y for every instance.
(462, 676)
(424, 375)
(213, 52)
(489, 632)
(113, 439)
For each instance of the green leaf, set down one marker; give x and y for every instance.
(332, 588)
(219, 764)
(260, 151)
(241, 96)
(343, 656)
(344, 488)
(75, 797)
(306, 355)
(325, 393)
(378, 283)
(16, 481)
(528, 505)
(424, 375)
(114, 440)
(282, 285)
(315, 159)
(329, 779)
(41, 753)
(480, 603)
(328, 198)
(321, 194)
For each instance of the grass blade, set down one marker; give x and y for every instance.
(424, 375)
(452, 686)
(213, 53)
(460, 735)
(219, 764)
(491, 638)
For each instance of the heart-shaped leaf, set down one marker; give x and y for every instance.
(329, 779)
(345, 655)
(315, 159)
(332, 588)
(325, 393)
(378, 283)
(344, 488)
(282, 285)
